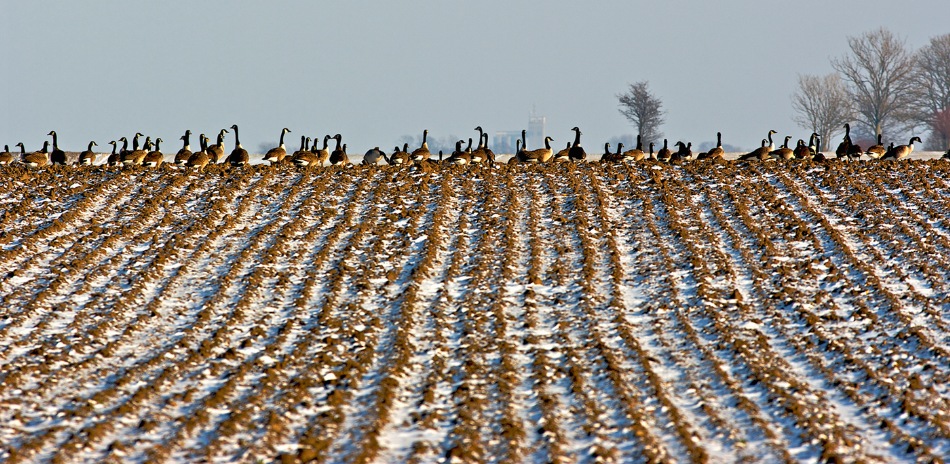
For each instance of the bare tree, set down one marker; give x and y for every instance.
(932, 88)
(879, 73)
(644, 110)
(822, 104)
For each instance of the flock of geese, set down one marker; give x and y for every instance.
(150, 154)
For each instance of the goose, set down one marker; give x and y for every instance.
(519, 155)
(946, 155)
(541, 155)
(635, 154)
(563, 155)
(480, 154)
(818, 156)
(459, 156)
(303, 156)
(652, 157)
(216, 151)
(201, 158)
(22, 151)
(684, 153)
(373, 156)
(400, 156)
(664, 154)
(422, 153)
(760, 153)
(489, 154)
(5, 156)
(182, 156)
(136, 155)
(608, 156)
(801, 150)
(715, 153)
(135, 140)
(276, 155)
(154, 158)
(813, 147)
(847, 148)
(57, 157)
(38, 159)
(783, 152)
(339, 154)
(88, 157)
(468, 149)
(901, 151)
(771, 143)
(238, 156)
(577, 152)
(323, 154)
(113, 159)
(876, 151)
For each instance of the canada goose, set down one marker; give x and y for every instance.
(715, 153)
(373, 156)
(5, 156)
(541, 155)
(201, 158)
(22, 151)
(323, 154)
(479, 155)
(684, 153)
(276, 155)
(422, 153)
(818, 156)
(338, 156)
(135, 140)
(113, 158)
(876, 151)
(563, 155)
(489, 154)
(136, 155)
(577, 152)
(635, 154)
(154, 158)
(847, 148)
(761, 153)
(216, 151)
(652, 157)
(182, 156)
(459, 156)
(88, 157)
(608, 156)
(238, 156)
(801, 150)
(518, 156)
(783, 152)
(946, 155)
(468, 149)
(901, 151)
(38, 158)
(57, 156)
(771, 143)
(813, 147)
(400, 157)
(303, 156)
(664, 154)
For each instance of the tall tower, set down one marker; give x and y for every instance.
(535, 133)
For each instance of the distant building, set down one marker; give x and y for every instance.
(505, 141)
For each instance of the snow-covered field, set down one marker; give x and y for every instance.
(649, 313)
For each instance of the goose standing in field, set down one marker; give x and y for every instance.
(373, 156)
(88, 157)
(136, 155)
(323, 154)
(609, 156)
(38, 159)
(303, 156)
(761, 153)
(114, 158)
(847, 148)
(479, 155)
(901, 151)
(338, 156)
(125, 146)
(664, 154)
(652, 156)
(276, 155)
(57, 157)
(876, 151)
(238, 156)
(517, 157)
(563, 155)
(402, 156)
(541, 155)
(577, 152)
(801, 150)
(216, 151)
(813, 147)
(818, 156)
(184, 154)
(5, 156)
(635, 154)
(489, 154)
(22, 151)
(684, 153)
(201, 158)
(459, 156)
(154, 158)
(716, 152)
(422, 153)
(771, 143)
(783, 152)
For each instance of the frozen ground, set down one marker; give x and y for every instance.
(649, 313)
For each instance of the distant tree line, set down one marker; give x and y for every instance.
(880, 87)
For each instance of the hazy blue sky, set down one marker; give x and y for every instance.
(375, 71)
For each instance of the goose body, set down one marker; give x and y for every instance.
(238, 156)
(635, 154)
(664, 154)
(480, 154)
(88, 157)
(541, 155)
(563, 155)
(57, 157)
(373, 156)
(577, 152)
(5, 156)
(422, 153)
(783, 152)
(901, 151)
(277, 154)
(684, 153)
(216, 151)
(154, 158)
(489, 154)
(611, 157)
(847, 148)
(760, 153)
(716, 153)
(338, 156)
(801, 150)
(113, 158)
(38, 159)
(185, 153)
(402, 156)
(459, 156)
(323, 154)
(303, 156)
(876, 151)
(201, 158)
(136, 155)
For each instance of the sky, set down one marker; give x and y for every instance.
(377, 71)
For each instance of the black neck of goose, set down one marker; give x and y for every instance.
(607, 148)
(480, 132)
(770, 139)
(469, 147)
(282, 137)
(23, 149)
(187, 139)
(879, 138)
(326, 142)
(639, 142)
(135, 142)
(113, 148)
(45, 147)
(158, 142)
(88, 148)
(237, 139)
(718, 139)
(547, 143)
(55, 145)
(619, 148)
(577, 137)
(425, 136)
(524, 139)
(665, 146)
(303, 139)
(340, 139)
